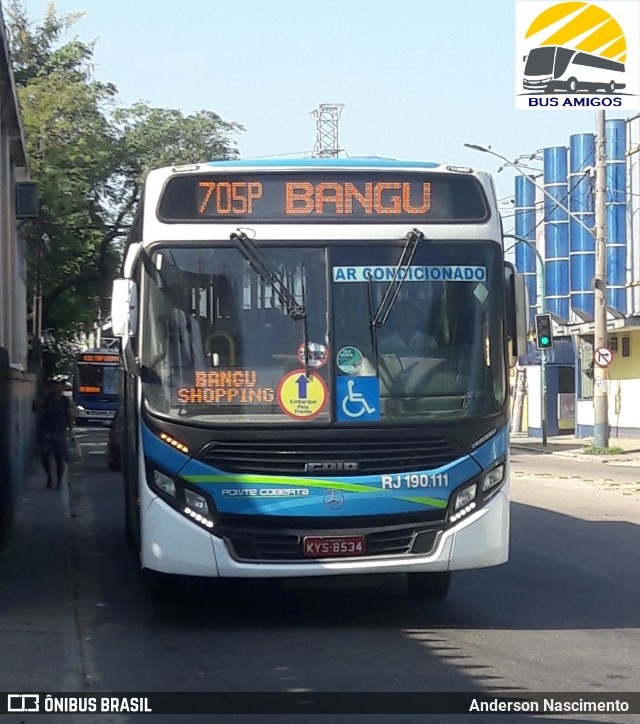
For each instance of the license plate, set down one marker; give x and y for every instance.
(325, 546)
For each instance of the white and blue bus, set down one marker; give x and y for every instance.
(552, 68)
(95, 385)
(316, 357)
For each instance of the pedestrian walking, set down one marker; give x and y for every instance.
(54, 423)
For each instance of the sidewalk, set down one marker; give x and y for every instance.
(573, 447)
(38, 629)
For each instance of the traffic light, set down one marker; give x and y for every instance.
(544, 332)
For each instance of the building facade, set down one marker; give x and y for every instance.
(17, 384)
(565, 240)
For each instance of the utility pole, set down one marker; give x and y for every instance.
(600, 392)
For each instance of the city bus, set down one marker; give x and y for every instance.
(551, 68)
(95, 385)
(316, 357)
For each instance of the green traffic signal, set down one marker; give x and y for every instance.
(544, 331)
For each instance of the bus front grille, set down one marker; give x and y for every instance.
(257, 544)
(349, 457)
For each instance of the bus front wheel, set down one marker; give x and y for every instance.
(160, 586)
(572, 85)
(612, 87)
(434, 586)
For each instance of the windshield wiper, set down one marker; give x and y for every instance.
(414, 237)
(252, 254)
(391, 292)
(271, 277)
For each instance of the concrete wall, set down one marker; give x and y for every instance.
(624, 384)
(17, 391)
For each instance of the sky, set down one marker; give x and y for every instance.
(418, 78)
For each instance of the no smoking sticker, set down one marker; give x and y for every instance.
(317, 353)
(302, 397)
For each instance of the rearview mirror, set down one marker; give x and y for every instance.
(517, 307)
(124, 307)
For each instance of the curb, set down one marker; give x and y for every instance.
(574, 454)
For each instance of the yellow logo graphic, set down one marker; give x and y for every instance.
(604, 36)
(577, 48)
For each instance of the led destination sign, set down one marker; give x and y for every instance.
(226, 387)
(107, 358)
(303, 196)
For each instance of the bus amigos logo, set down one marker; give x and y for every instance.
(577, 55)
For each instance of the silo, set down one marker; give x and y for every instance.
(633, 216)
(581, 204)
(616, 211)
(525, 213)
(556, 232)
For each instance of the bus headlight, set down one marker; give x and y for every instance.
(191, 503)
(493, 478)
(197, 508)
(464, 502)
(165, 483)
(465, 496)
(196, 501)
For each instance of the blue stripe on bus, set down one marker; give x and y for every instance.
(366, 162)
(369, 501)
(159, 452)
(492, 450)
(231, 492)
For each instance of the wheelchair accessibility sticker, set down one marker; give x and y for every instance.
(358, 398)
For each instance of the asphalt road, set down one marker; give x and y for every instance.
(562, 615)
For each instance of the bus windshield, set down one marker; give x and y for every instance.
(540, 61)
(97, 379)
(218, 344)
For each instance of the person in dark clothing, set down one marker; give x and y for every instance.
(56, 419)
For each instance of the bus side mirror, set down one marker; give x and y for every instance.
(517, 303)
(522, 314)
(124, 307)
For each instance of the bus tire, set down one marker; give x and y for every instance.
(572, 85)
(612, 87)
(433, 586)
(129, 535)
(161, 586)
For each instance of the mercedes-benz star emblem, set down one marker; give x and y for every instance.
(333, 499)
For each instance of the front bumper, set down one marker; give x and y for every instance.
(91, 415)
(173, 544)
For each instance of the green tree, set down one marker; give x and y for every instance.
(89, 157)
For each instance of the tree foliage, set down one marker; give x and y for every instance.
(89, 156)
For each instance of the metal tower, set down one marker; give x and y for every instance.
(327, 116)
